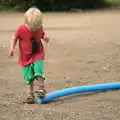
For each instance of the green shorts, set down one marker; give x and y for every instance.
(33, 70)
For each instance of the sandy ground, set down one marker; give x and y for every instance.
(84, 49)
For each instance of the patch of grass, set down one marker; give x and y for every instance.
(5, 8)
(113, 2)
(11, 9)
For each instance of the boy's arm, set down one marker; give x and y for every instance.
(12, 46)
(44, 36)
(14, 41)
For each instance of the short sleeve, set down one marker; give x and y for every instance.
(17, 33)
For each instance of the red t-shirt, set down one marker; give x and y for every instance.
(25, 45)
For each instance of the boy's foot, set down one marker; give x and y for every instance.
(41, 93)
(30, 98)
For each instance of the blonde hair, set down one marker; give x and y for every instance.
(33, 18)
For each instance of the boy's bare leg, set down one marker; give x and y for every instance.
(41, 92)
(30, 98)
(30, 87)
(40, 82)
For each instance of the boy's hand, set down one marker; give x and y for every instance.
(11, 52)
(12, 46)
(46, 38)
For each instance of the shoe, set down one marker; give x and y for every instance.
(30, 98)
(41, 92)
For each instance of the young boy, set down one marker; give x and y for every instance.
(31, 51)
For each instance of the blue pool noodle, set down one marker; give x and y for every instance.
(78, 89)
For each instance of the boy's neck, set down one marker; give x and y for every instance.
(28, 27)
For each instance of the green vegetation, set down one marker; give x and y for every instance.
(56, 5)
(4, 8)
(113, 2)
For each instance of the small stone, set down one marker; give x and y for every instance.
(105, 69)
(49, 109)
(87, 77)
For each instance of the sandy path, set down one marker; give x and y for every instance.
(84, 49)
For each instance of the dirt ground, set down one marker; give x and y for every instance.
(84, 49)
